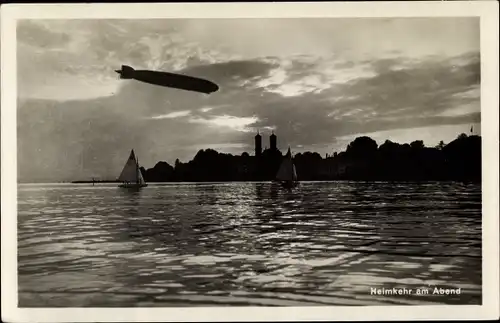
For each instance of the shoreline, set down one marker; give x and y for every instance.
(267, 181)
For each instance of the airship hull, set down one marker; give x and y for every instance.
(172, 80)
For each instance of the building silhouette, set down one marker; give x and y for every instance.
(273, 141)
(258, 145)
(363, 160)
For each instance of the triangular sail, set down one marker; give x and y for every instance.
(130, 172)
(140, 179)
(287, 170)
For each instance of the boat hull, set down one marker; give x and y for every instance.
(289, 184)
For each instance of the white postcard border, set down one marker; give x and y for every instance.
(486, 10)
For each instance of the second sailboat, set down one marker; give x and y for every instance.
(131, 176)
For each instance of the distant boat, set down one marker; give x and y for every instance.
(131, 176)
(287, 175)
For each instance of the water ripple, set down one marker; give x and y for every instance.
(247, 244)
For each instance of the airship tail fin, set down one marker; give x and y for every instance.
(126, 72)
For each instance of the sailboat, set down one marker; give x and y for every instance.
(131, 176)
(287, 175)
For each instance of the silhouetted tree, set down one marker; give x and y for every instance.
(417, 144)
(362, 160)
(440, 145)
(463, 158)
(362, 147)
(161, 172)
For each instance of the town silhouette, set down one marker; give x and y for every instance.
(459, 160)
(363, 160)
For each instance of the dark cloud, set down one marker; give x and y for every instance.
(412, 96)
(231, 75)
(421, 88)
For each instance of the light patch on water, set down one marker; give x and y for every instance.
(343, 257)
(38, 245)
(52, 260)
(439, 267)
(172, 285)
(301, 236)
(110, 248)
(205, 260)
(248, 257)
(224, 254)
(360, 261)
(162, 268)
(263, 279)
(315, 262)
(160, 249)
(404, 265)
(29, 213)
(203, 276)
(235, 242)
(84, 252)
(377, 270)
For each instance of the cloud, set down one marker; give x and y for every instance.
(56, 57)
(173, 115)
(76, 119)
(238, 124)
(38, 35)
(461, 110)
(302, 74)
(235, 148)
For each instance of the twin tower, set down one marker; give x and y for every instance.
(258, 143)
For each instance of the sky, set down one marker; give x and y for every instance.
(317, 83)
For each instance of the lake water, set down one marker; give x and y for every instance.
(248, 244)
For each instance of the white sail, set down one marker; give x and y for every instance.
(287, 170)
(130, 172)
(141, 179)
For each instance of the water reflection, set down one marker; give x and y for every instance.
(207, 193)
(247, 244)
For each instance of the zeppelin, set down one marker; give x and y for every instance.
(166, 79)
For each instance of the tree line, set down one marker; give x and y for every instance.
(364, 159)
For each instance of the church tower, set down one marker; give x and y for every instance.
(273, 142)
(258, 144)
